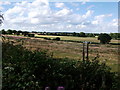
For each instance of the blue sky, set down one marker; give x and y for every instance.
(66, 0)
(41, 15)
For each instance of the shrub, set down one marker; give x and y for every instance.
(104, 38)
(31, 35)
(57, 38)
(23, 69)
(47, 38)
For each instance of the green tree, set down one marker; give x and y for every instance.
(25, 33)
(9, 31)
(115, 35)
(74, 33)
(90, 35)
(3, 31)
(82, 34)
(14, 31)
(104, 38)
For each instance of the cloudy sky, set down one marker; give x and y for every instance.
(42, 15)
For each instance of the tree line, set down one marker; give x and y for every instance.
(81, 34)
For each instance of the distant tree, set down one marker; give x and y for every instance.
(34, 32)
(104, 38)
(31, 35)
(115, 35)
(25, 33)
(90, 35)
(3, 31)
(14, 31)
(74, 33)
(9, 31)
(82, 34)
(19, 32)
(57, 39)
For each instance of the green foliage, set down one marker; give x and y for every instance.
(25, 33)
(14, 31)
(9, 31)
(3, 31)
(115, 35)
(57, 39)
(27, 70)
(31, 35)
(82, 34)
(104, 38)
(90, 35)
(47, 38)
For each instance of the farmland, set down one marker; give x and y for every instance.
(90, 39)
(73, 50)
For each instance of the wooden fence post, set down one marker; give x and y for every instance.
(83, 51)
(87, 57)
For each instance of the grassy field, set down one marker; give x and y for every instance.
(90, 39)
(73, 50)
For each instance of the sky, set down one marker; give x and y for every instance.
(57, 16)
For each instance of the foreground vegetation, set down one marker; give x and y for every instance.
(34, 70)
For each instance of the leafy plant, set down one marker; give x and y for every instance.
(24, 69)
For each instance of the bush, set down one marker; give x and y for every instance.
(31, 35)
(47, 38)
(104, 38)
(23, 69)
(57, 38)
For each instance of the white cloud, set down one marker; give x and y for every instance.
(100, 25)
(63, 12)
(80, 26)
(39, 16)
(84, 1)
(1, 8)
(77, 9)
(89, 7)
(114, 22)
(40, 3)
(100, 18)
(5, 3)
(60, 5)
(74, 4)
(88, 13)
(35, 20)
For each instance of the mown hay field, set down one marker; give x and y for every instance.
(72, 38)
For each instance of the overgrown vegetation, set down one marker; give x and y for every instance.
(24, 69)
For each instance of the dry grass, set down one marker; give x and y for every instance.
(90, 39)
(73, 50)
